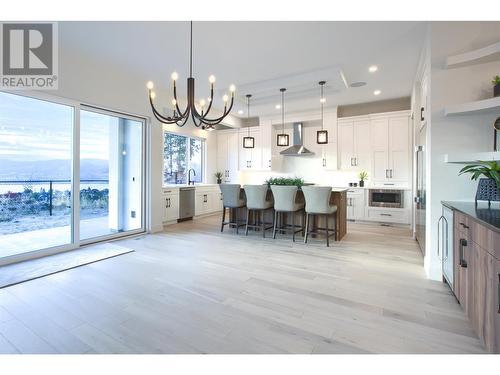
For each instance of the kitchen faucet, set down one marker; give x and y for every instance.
(189, 176)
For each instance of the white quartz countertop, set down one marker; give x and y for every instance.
(177, 186)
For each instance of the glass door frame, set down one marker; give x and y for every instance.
(142, 229)
(75, 242)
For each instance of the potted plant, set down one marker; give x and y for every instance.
(496, 85)
(299, 182)
(363, 175)
(488, 188)
(218, 176)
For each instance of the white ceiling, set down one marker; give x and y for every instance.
(260, 57)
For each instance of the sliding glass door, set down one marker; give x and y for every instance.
(111, 174)
(36, 138)
(69, 175)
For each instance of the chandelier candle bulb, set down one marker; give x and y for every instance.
(225, 98)
(174, 76)
(232, 88)
(152, 94)
(150, 85)
(211, 79)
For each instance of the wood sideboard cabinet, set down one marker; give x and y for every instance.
(477, 277)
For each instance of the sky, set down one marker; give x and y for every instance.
(32, 129)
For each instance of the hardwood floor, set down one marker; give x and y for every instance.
(192, 289)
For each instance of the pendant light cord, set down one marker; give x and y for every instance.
(283, 110)
(248, 113)
(191, 52)
(322, 104)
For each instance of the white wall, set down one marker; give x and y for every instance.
(91, 81)
(464, 133)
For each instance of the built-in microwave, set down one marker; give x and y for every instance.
(386, 198)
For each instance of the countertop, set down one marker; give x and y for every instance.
(488, 216)
(380, 187)
(177, 186)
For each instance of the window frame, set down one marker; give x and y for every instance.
(188, 162)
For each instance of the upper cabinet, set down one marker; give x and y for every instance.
(354, 144)
(250, 158)
(390, 141)
(227, 155)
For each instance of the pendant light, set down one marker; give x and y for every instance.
(248, 142)
(322, 135)
(282, 139)
(199, 117)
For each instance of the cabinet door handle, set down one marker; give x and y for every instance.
(351, 162)
(385, 215)
(439, 233)
(391, 172)
(324, 162)
(386, 173)
(463, 244)
(422, 114)
(355, 162)
(498, 290)
(269, 163)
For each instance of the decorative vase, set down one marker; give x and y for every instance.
(496, 90)
(362, 183)
(219, 181)
(487, 190)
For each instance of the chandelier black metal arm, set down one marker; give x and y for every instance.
(180, 117)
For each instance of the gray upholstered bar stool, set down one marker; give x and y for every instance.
(285, 201)
(318, 203)
(234, 199)
(259, 200)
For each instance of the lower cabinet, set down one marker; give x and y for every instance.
(356, 204)
(171, 205)
(208, 200)
(477, 280)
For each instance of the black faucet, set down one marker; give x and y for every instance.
(189, 176)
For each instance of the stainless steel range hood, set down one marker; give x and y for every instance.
(298, 148)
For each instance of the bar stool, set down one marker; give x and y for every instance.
(259, 200)
(285, 202)
(234, 199)
(318, 203)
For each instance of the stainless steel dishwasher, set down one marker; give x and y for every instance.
(186, 203)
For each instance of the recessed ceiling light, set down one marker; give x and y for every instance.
(240, 112)
(377, 92)
(358, 84)
(373, 68)
(277, 106)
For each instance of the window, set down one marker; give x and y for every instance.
(180, 154)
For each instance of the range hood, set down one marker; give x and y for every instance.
(298, 148)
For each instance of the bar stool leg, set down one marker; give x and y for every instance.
(246, 228)
(263, 224)
(235, 215)
(275, 223)
(223, 219)
(307, 228)
(293, 226)
(326, 228)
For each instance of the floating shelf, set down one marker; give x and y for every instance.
(486, 105)
(478, 56)
(471, 157)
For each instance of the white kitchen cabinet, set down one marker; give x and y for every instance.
(354, 144)
(250, 158)
(207, 200)
(227, 155)
(266, 135)
(171, 205)
(390, 149)
(356, 204)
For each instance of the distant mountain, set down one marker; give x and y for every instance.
(90, 169)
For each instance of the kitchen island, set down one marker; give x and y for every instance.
(338, 198)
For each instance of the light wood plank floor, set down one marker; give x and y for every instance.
(192, 289)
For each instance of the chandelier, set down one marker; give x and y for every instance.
(199, 117)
